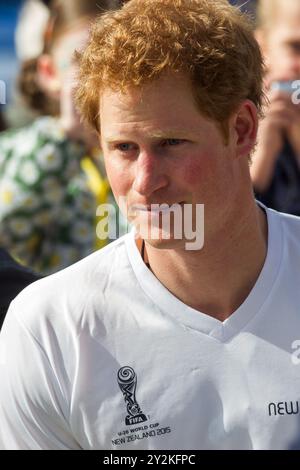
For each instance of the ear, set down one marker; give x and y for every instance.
(245, 126)
(48, 78)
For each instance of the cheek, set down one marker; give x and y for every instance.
(197, 170)
(285, 63)
(118, 177)
(281, 61)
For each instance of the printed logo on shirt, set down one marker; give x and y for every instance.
(136, 429)
(127, 380)
(284, 408)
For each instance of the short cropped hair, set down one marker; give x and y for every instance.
(211, 41)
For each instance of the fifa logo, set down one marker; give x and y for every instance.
(127, 382)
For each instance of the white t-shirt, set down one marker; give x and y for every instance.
(102, 356)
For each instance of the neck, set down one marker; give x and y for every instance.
(218, 278)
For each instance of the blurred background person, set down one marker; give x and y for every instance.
(275, 169)
(29, 45)
(13, 279)
(2, 122)
(20, 40)
(29, 41)
(50, 171)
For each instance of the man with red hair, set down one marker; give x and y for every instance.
(179, 335)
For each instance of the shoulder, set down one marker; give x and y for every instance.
(72, 295)
(13, 279)
(25, 142)
(290, 223)
(14, 138)
(287, 228)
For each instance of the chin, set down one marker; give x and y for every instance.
(161, 240)
(164, 244)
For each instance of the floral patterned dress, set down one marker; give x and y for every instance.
(47, 209)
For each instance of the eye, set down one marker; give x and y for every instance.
(295, 47)
(124, 147)
(173, 142)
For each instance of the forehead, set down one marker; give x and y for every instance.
(167, 101)
(169, 87)
(286, 17)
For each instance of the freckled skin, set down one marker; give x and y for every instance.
(159, 148)
(194, 170)
(197, 168)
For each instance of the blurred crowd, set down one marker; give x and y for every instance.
(51, 173)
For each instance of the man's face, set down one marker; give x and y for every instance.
(283, 43)
(159, 149)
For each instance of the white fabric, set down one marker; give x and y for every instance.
(29, 34)
(201, 383)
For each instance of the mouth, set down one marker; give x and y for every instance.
(156, 208)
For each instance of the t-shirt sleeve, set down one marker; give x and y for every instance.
(34, 412)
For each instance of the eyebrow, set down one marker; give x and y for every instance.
(171, 134)
(293, 42)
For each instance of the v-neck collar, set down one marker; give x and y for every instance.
(221, 331)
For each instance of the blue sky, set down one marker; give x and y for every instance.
(8, 61)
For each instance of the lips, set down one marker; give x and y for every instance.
(155, 208)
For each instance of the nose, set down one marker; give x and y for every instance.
(150, 175)
(296, 67)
